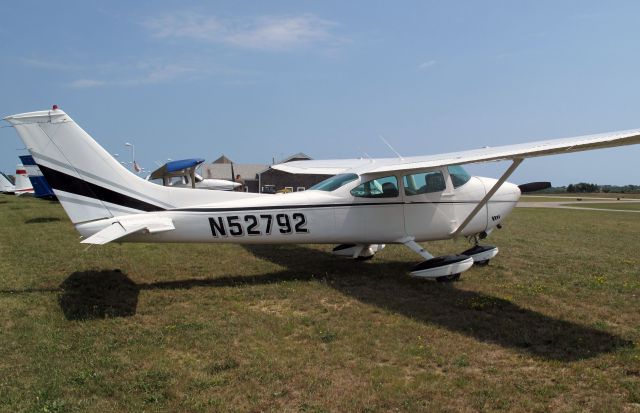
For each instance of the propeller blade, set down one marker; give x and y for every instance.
(534, 186)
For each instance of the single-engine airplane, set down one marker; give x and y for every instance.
(366, 204)
(182, 174)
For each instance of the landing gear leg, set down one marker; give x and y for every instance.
(481, 254)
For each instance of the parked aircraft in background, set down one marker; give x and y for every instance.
(182, 174)
(368, 203)
(23, 184)
(6, 185)
(41, 187)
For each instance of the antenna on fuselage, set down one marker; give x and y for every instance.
(391, 147)
(366, 155)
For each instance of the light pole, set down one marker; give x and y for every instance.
(133, 155)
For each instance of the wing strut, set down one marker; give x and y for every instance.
(516, 162)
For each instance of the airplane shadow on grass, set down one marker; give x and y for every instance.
(100, 294)
(41, 220)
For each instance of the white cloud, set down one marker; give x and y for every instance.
(83, 83)
(427, 64)
(274, 33)
(134, 72)
(51, 64)
(147, 73)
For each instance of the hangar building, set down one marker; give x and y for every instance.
(261, 177)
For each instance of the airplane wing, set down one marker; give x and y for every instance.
(487, 154)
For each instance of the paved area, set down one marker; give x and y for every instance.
(586, 201)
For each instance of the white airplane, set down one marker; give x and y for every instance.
(6, 186)
(23, 184)
(182, 174)
(368, 203)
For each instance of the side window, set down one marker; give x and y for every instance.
(386, 187)
(458, 175)
(424, 183)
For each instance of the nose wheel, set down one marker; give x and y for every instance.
(448, 278)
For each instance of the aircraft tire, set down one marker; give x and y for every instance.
(448, 278)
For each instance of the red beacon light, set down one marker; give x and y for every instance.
(55, 107)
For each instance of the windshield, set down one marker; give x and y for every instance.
(334, 182)
(459, 176)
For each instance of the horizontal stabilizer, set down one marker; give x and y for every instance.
(125, 227)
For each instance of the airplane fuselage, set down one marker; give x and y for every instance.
(337, 216)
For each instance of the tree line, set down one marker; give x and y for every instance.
(584, 187)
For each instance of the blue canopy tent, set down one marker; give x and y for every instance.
(179, 168)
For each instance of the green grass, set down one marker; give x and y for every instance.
(627, 206)
(552, 324)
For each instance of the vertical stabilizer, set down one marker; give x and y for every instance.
(89, 183)
(23, 185)
(6, 185)
(41, 187)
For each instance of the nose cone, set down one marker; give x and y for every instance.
(507, 191)
(511, 190)
(501, 203)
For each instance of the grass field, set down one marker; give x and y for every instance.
(552, 324)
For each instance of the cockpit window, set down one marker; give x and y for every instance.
(424, 183)
(458, 175)
(386, 187)
(335, 182)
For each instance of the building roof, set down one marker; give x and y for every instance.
(300, 156)
(222, 159)
(223, 170)
(221, 167)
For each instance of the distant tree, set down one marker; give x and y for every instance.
(583, 187)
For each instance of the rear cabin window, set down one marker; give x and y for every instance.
(386, 187)
(458, 175)
(424, 183)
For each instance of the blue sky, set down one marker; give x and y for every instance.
(258, 80)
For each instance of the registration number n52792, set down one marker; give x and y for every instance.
(260, 224)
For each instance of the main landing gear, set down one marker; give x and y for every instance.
(449, 267)
(443, 269)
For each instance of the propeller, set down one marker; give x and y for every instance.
(534, 186)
